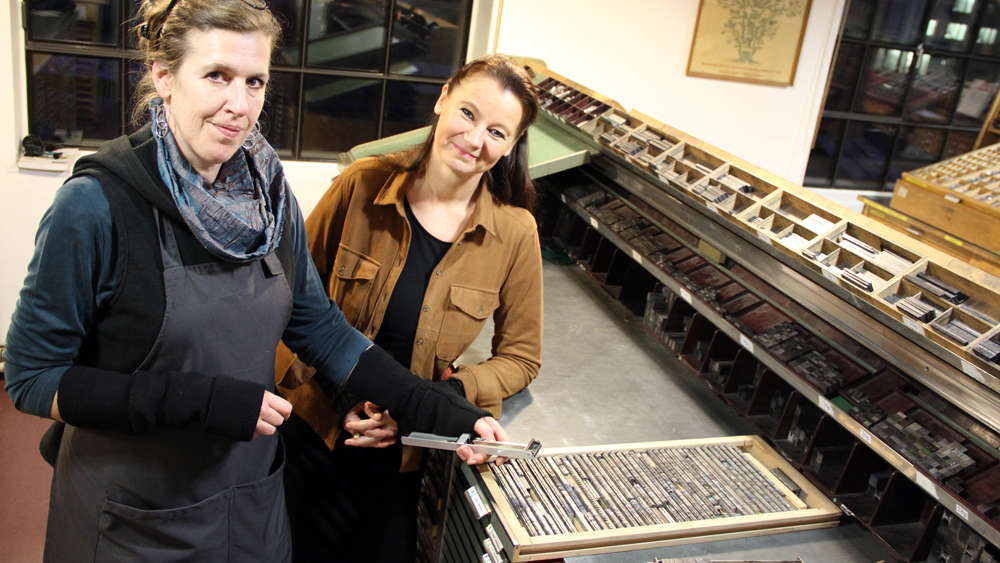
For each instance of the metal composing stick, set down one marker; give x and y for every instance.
(485, 447)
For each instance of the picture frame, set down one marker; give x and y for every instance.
(761, 46)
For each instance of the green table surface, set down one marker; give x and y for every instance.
(551, 150)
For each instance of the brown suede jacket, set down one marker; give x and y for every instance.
(359, 237)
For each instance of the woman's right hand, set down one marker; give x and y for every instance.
(488, 429)
(377, 431)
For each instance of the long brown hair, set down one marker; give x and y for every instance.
(508, 181)
(163, 26)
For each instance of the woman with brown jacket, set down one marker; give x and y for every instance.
(418, 249)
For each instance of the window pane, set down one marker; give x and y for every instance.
(408, 106)
(289, 14)
(935, 89)
(135, 74)
(74, 100)
(348, 34)
(858, 21)
(845, 77)
(917, 147)
(959, 142)
(340, 113)
(884, 83)
(823, 157)
(951, 25)
(428, 37)
(129, 34)
(90, 21)
(986, 37)
(278, 120)
(980, 87)
(899, 21)
(865, 156)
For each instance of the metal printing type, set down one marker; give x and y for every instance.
(622, 489)
(590, 494)
(640, 499)
(635, 496)
(698, 508)
(751, 475)
(687, 479)
(611, 517)
(617, 499)
(534, 510)
(587, 494)
(552, 505)
(524, 513)
(580, 509)
(544, 519)
(680, 507)
(553, 501)
(657, 498)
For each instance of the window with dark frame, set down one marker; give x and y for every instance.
(348, 72)
(912, 82)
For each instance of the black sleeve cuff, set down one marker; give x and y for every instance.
(234, 408)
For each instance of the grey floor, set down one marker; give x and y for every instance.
(604, 380)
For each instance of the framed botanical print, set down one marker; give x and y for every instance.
(749, 40)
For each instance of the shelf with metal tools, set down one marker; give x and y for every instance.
(671, 167)
(925, 359)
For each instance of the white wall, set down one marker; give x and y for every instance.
(23, 197)
(636, 52)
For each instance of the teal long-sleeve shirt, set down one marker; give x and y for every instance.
(72, 273)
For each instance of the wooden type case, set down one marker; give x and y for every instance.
(814, 510)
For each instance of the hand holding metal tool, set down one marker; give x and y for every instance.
(478, 445)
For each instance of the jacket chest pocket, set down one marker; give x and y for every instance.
(467, 313)
(354, 274)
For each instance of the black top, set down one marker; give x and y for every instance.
(399, 324)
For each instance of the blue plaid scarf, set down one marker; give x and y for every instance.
(236, 217)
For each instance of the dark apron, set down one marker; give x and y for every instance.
(182, 494)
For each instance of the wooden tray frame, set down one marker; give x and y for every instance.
(815, 512)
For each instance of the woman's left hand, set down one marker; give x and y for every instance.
(273, 411)
(377, 431)
(490, 430)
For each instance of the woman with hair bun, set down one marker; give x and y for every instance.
(418, 249)
(165, 274)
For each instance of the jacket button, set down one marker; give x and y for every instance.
(459, 243)
(426, 308)
(438, 272)
(420, 341)
(341, 269)
(480, 309)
